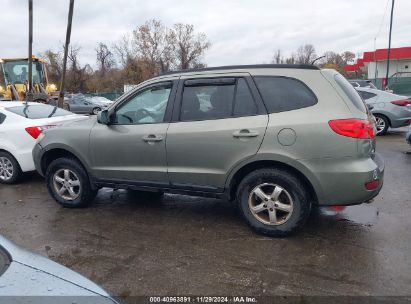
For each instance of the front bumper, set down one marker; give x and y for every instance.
(38, 152)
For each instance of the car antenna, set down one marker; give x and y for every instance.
(316, 59)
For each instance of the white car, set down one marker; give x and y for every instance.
(390, 110)
(26, 278)
(20, 126)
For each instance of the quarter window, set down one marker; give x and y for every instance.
(366, 95)
(350, 92)
(216, 99)
(147, 106)
(282, 94)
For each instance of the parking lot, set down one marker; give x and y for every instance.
(195, 246)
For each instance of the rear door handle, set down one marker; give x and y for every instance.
(245, 133)
(152, 138)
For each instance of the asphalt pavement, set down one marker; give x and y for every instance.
(183, 245)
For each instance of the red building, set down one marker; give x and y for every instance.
(374, 64)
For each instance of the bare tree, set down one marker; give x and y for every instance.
(123, 49)
(77, 75)
(105, 58)
(54, 61)
(291, 60)
(333, 58)
(348, 56)
(152, 44)
(278, 57)
(306, 54)
(189, 47)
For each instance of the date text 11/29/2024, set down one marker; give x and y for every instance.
(203, 299)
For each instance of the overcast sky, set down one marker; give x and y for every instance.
(241, 31)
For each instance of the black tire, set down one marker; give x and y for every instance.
(16, 174)
(386, 122)
(86, 194)
(96, 110)
(298, 193)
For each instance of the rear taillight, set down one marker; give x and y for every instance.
(402, 103)
(372, 185)
(36, 131)
(355, 128)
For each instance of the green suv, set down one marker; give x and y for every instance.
(275, 138)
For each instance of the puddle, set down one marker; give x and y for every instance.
(365, 215)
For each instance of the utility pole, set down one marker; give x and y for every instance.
(66, 47)
(29, 95)
(389, 46)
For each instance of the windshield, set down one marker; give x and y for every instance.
(4, 260)
(16, 72)
(38, 111)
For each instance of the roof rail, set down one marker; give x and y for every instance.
(241, 67)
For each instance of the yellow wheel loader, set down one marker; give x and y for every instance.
(15, 77)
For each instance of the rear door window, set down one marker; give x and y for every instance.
(219, 98)
(282, 94)
(351, 93)
(38, 111)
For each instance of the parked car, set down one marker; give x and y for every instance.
(100, 100)
(20, 125)
(390, 110)
(26, 277)
(276, 138)
(362, 83)
(79, 104)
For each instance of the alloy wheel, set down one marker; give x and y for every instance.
(271, 204)
(96, 111)
(6, 169)
(380, 124)
(67, 184)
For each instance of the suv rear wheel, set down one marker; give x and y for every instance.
(69, 184)
(273, 202)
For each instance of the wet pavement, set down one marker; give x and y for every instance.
(182, 245)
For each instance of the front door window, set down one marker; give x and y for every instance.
(146, 107)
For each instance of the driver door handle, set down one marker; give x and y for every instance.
(153, 138)
(245, 133)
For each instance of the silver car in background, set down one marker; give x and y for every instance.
(390, 110)
(26, 277)
(79, 104)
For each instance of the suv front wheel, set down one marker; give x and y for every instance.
(273, 202)
(69, 184)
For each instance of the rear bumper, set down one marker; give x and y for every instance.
(401, 122)
(342, 181)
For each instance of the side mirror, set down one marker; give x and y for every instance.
(370, 107)
(103, 117)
